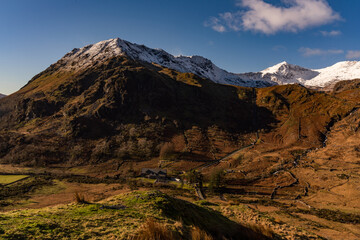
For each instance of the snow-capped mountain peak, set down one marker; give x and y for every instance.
(346, 70)
(279, 74)
(276, 68)
(203, 67)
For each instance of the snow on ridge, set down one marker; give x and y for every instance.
(285, 73)
(346, 70)
(279, 74)
(81, 58)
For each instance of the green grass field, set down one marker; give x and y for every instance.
(7, 179)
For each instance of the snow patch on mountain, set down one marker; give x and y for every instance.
(347, 70)
(280, 74)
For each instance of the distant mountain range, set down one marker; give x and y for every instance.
(280, 74)
(2, 95)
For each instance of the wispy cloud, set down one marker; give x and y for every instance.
(330, 33)
(353, 55)
(215, 24)
(309, 52)
(260, 16)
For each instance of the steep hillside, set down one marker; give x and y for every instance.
(132, 106)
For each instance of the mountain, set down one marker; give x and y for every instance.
(120, 108)
(95, 53)
(280, 74)
(105, 102)
(285, 73)
(2, 95)
(348, 70)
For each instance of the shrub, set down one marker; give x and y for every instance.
(216, 180)
(80, 198)
(194, 177)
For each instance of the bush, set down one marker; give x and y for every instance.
(80, 198)
(194, 177)
(216, 180)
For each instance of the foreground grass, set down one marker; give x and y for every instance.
(7, 179)
(122, 217)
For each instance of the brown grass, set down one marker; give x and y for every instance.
(152, 230)
(80, 198)
(262, 229)
(198, 234)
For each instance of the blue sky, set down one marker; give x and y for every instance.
(237, 35)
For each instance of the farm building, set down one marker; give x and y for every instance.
(154, 173)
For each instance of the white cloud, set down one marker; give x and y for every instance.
(215, 24)
(353, 54)
(330, 33)
(260, 16)
(309, 52)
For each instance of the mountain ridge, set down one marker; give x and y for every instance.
(279, 74)
(79, 58)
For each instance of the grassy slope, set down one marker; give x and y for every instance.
(119, 217)
(7, 179)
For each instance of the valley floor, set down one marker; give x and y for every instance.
(50, 191)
